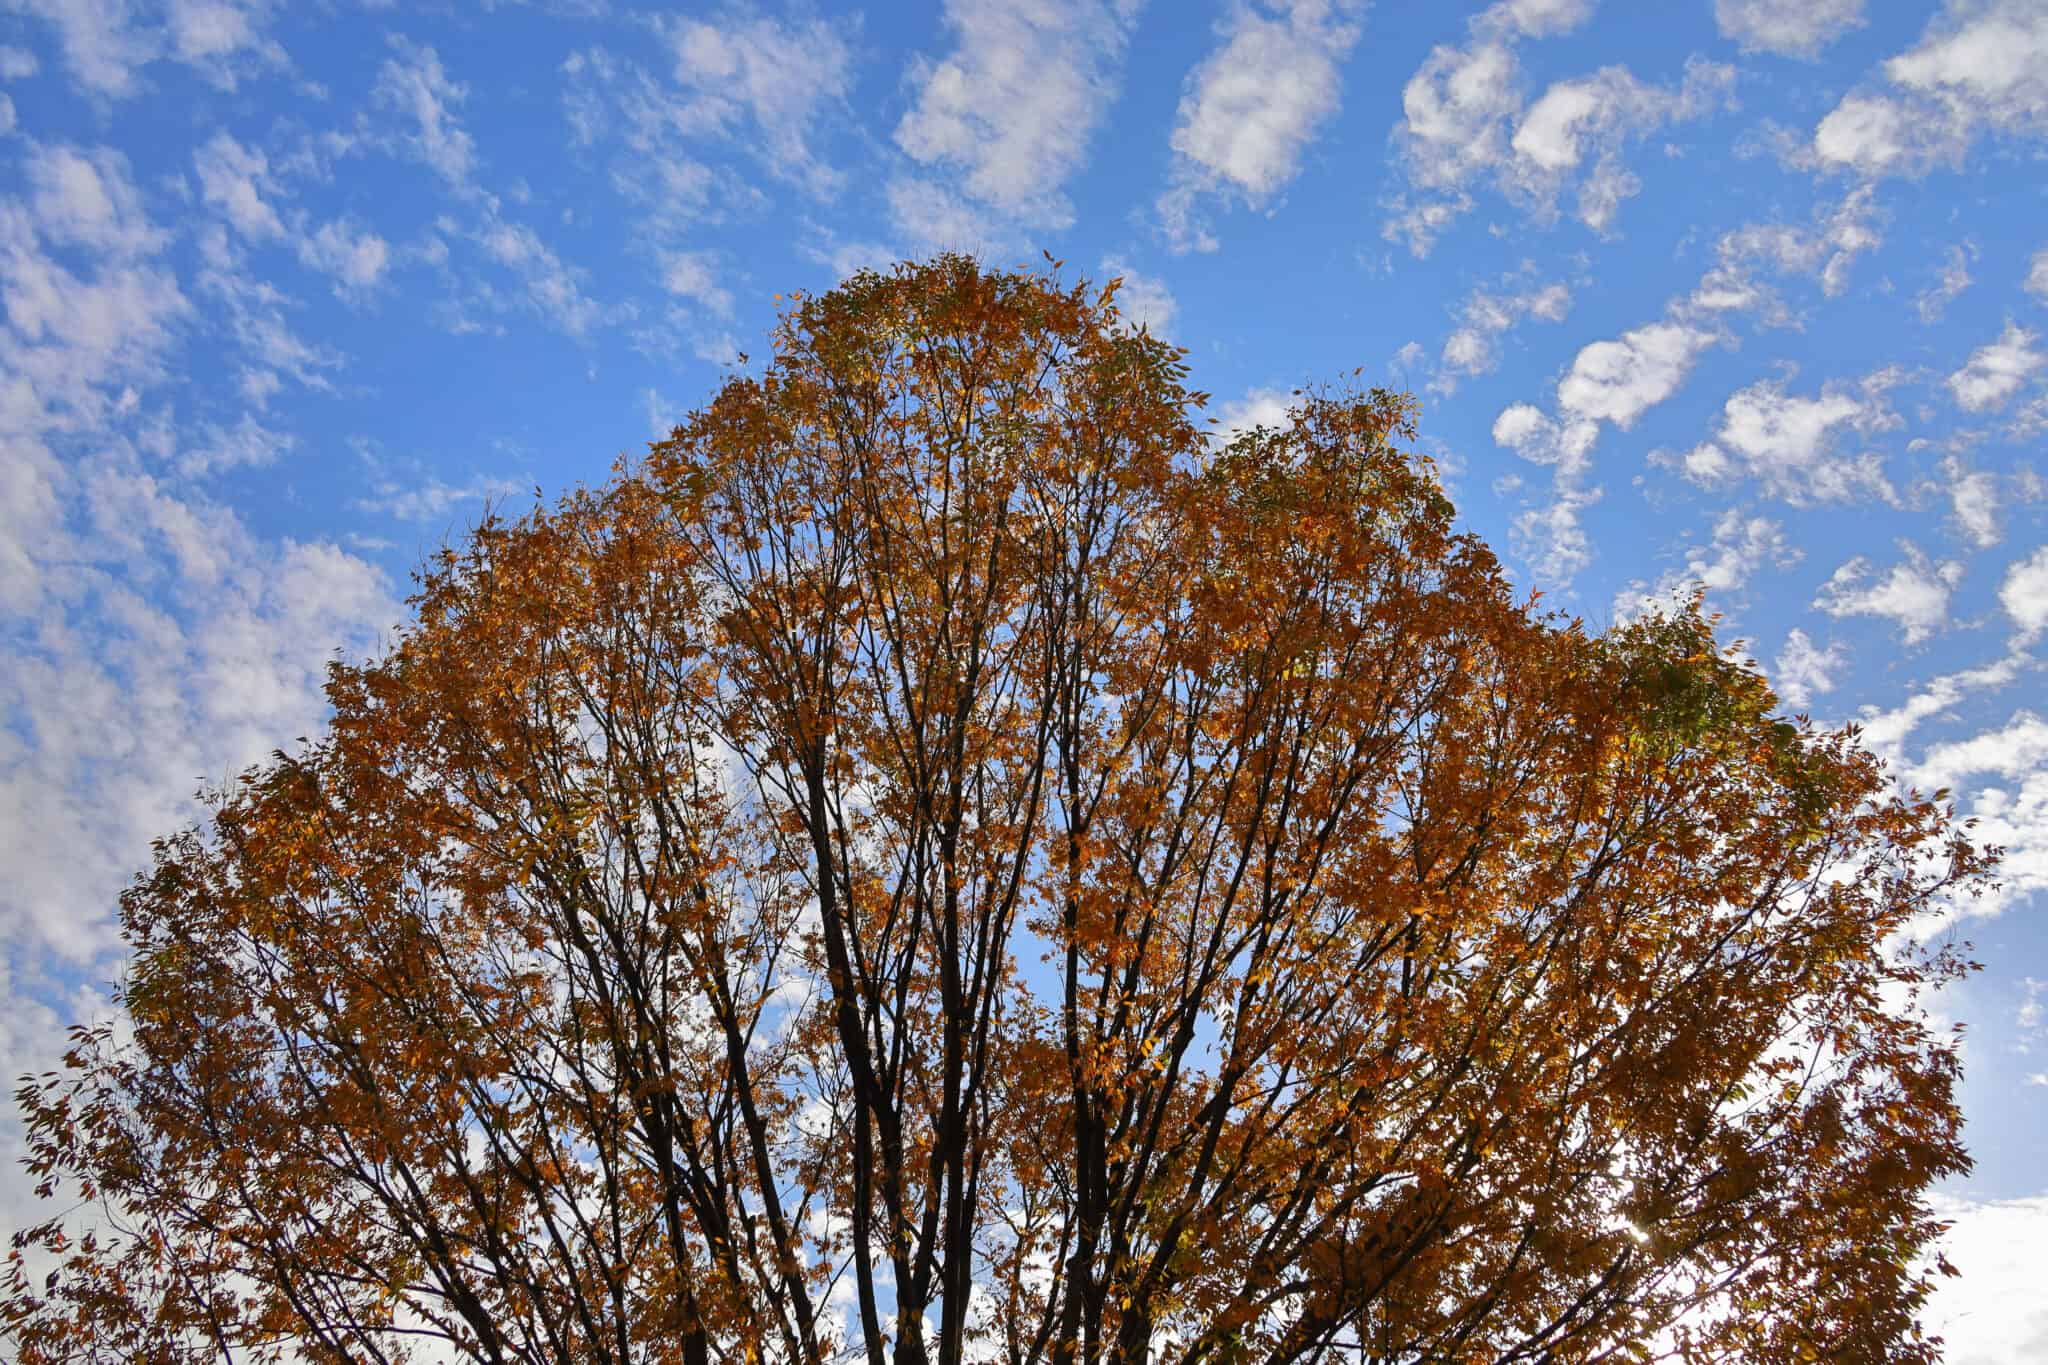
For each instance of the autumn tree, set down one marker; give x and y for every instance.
(946, 859)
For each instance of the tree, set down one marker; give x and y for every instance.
(944, 861)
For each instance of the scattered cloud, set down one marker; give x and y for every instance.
(160, 643)
(1885, 732)
(1973, 501)
(1979, 68)
(1742, 545)
(1143, 300)
(1008, 113)
(253, 314)
(432, 499)
(2024, 595)
(1485, 316)
(1791, 444)
(930, 214)
(1826, 249)
(763, 82)
(1992, 1313)
(1995, 372)
(1913, 594)
(663, 416)
(1465, 123)
(2014, 750)
(237, 180)
(1617, 381)
(693, 275)
(240, 182)
(1789, 28)
(355, 257)
(1609, 381)
(552, 287)
(1952, 279)
(2037, 275)
(247, 444)
(1252, 107)
(107, 44)
(1258, 407)
(2006, 771)
(1586, 122)
(414, 84)
(1804, 670)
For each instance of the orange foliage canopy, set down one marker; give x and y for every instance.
(943, 860)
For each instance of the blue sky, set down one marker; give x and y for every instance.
(1752, 293)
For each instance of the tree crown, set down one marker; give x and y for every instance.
(945, 858)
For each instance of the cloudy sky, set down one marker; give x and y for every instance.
(1748, 293)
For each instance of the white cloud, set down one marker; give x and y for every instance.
(414, 84)
(241, 183)
(1552, 535)
(245, 445)
(1008, 114)
(1617, 381)
(1973, 499)
(85, 198)
(662, 415)
(1995, 372)
(160, 642)
(1789, 443)
(553, 288)
(929, 213)
(763, 80)
(1612, 381)
(693, 275)
(1805, 670)
(17, 64)
(1953, 279)
(2037, 274)
(236, 179)
(1536, 436)
(1143, 300)
(2008, 812)
(1999, 776)
(1253, 105)
(211, 34)
(1535, 18)
(1259, 407)
(2015, 750)
(1993, 1312)
(1825, 250)
(1589, 120)
(254, 314)
(1742, 545)
(73, 342)
(2024, 595)
(1485, 315)
(1981, 67)
(1465, 123)
(1790, 28)
(432, 499)
(107, 43)
(1885, 732)
(356, 258)
(1456, 110)
(1913, 594)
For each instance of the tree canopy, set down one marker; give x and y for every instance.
(948, 859)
